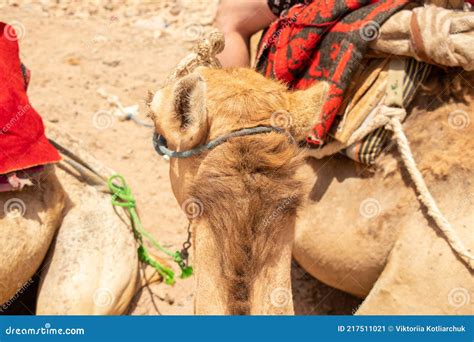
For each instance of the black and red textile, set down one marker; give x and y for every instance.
(322, 41)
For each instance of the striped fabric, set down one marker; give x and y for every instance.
(368, 149)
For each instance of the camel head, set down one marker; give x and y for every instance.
(241, 197)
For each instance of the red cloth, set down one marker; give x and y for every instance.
(322, 41)
(22, 140)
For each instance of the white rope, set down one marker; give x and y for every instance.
(391, 118)
(380, 119)
(425, 197)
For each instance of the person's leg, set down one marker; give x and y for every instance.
(239, 20)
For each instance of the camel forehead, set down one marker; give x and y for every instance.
(240, 79)
(243, 91)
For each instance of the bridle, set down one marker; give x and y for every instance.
(161, 147)
(205, 55)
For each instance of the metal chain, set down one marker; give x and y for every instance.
(186, 245)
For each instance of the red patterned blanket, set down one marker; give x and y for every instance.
(322, 41)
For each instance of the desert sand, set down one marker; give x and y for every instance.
(76, 50)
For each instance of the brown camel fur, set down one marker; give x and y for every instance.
(91, 267)
(252, 211)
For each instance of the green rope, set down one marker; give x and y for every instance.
(122, 197)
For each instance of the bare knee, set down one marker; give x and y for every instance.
(231, 17)
(243, 17)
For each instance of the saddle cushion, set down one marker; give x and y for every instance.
(23, 143)
(322, 41)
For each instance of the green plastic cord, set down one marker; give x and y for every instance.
(122, 197)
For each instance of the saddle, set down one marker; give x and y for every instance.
(337, 44)
(23, 144)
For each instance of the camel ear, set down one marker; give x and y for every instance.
(305, 104)
(179, 112)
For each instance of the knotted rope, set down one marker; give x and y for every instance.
(380, 119)
(391, 118)
(430, 34)
(123, 197)
(425, 196)
(204, 55)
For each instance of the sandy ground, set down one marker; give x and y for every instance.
(76, 48)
